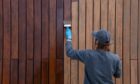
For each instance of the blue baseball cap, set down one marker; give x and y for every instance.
(102, 36)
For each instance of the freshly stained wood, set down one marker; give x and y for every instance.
(30, 29)
(7, 39)
(126, 43)
(14, 72)
(37, 42)
(45, 42)
(14, 24)
(29, 72)
(74, 63)
(60, 29)
(52, 32)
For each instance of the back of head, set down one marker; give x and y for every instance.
(102, 39)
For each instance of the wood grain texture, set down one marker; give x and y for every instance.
(22, 42)
(97, 18)
(37, 42)
(67, 17)
(104, 13)
(74, 63)
(82, 38)
(30, 28)
(45, 42)
(60, 29)
(1, 39)
(14, 24)
(14, 72)
(7, 39)
(126, 43)
(52, 32)
(134, 28)
(119, 23)
(89, 23)
(134, 74)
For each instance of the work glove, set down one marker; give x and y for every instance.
(68, 34)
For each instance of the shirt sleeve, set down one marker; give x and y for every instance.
(75, 54)
(118, 70)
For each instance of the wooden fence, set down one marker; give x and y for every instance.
(31, 42)
(122, 19)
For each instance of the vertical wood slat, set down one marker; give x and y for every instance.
(67, 16)
(1, 38)
(134, 78)
(30, 43)
(111, 25)
(82, 19)
(14, 21)
(119, 9)
(22, 42)
(37, 42)
(126, 43)
(134, 28)
(104, 13)
(30, 28)
(74, 63)
(14, 72)
(14, 42)
(6, 49)
(60, 37)
(97, 18)
(89, 23)
(139, 44)
(52, 32)
(45, 41)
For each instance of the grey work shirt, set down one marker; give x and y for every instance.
(100, 65)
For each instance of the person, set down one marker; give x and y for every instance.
(100, 64)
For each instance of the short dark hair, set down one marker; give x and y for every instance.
(104, 46)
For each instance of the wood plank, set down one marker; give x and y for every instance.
(126, 43)
(60, 29)
(52, 58)
(119, 17)
(30, 29)
(14, 72)
(89, 23)
(29, 73)
(74, 63)
(37, 42)
(82, 38)
(14, 24)
(134, 28)
(97, 17)
(6, 49)
(139, 46)
(22, 42)
(67, 16)
(104, 13)
(1, 39)
(45, 42)
(134, 74)
(59, 71)
(111, 23)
